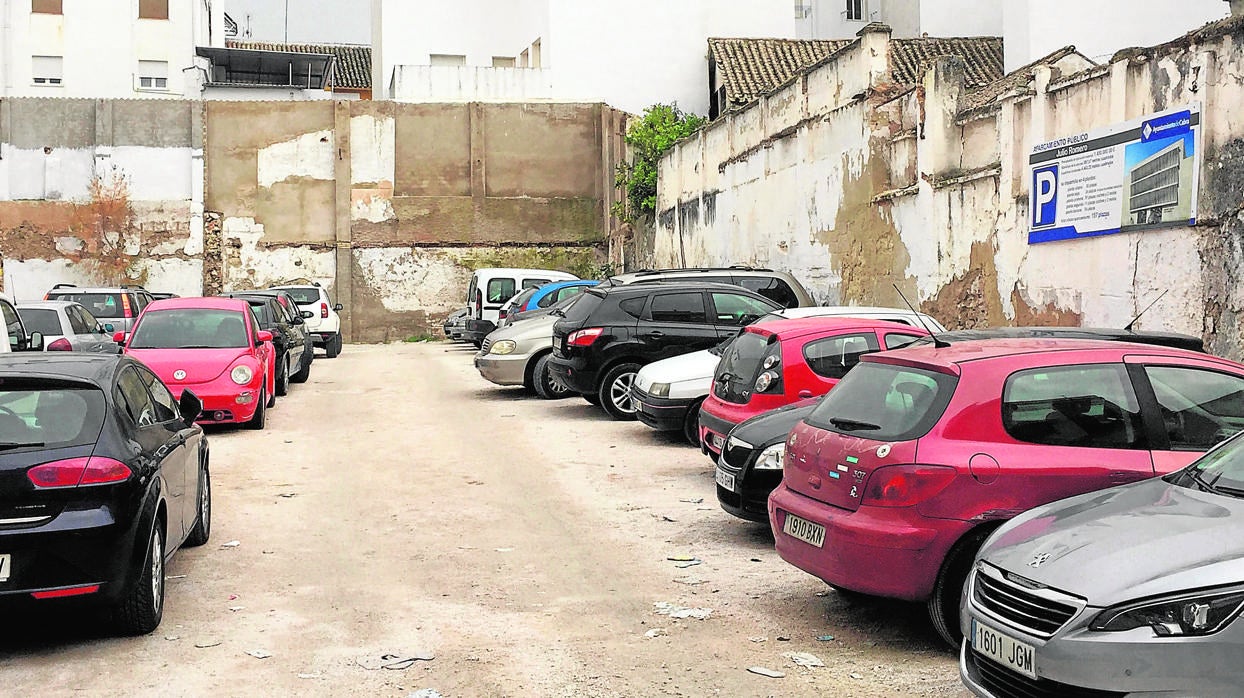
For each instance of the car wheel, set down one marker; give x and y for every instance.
(282, 377)
(615, 391)
(261, 415)
(948, 590)
(691, 423)
(542, 380)
(203, 522)
(304, 371)
(142, 608)
(332, 346)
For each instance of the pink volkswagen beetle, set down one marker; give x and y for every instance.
(212, 346)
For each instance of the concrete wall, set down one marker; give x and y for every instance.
(390, 206)
(826, 19)
(855, 190)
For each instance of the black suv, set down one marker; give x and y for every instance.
(289, 336)
(611, 332)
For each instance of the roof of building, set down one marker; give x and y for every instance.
(749, 68)
(1022, 76)
(351, 69)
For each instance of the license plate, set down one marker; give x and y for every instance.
(6, 567)
(716, 440)
(1007, 651)
(806, 531)
(725, 480)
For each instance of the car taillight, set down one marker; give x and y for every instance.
(479, 305)
(78, 472)
(906, 485)
(323, 310)
(503, 314)
(584, 338)
(61, 344)
(125, 305)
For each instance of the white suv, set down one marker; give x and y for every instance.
(323, 322)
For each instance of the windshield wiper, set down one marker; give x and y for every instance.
(853, 424)
(1202, 484)
(10, 445)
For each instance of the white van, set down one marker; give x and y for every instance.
(491, 288)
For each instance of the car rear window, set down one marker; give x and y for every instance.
(885, 402)
(580, 310)
(191, 328)
(304, 296)
(740, 366)
(772, 288)
(1091, 406)
(833, 357)
(42, 413)
(41, 320)
(97, 304)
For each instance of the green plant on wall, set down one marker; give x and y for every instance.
(650, 137)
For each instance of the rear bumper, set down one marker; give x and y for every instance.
(662, 414)
(321, 339)
(574, 373)
(713, 431)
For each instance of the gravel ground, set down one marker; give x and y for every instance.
(398, 504)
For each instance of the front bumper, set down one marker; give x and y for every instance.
(235, 403)
(477, 330)
(889, 552)
(660, 413)
(574, 373)
(750, 497)
(510, 369)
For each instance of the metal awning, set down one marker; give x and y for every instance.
(248, 68)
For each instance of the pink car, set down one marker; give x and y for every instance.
(893, 482)
(214, 348)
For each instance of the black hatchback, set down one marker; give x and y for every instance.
(294, 349)
(612, 332)
(103, 475)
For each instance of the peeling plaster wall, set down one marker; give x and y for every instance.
(854, 187)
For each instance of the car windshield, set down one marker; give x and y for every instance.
(1220, 471)
(98, 304)
(304, 296)
(885, 403)
(190, 328)
(41, 413)
(40, 320)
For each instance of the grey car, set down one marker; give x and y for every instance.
(518, 354)
(67, 326)
(1131, 591)
(118, 306)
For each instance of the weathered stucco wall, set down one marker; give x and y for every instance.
(389, 206)
(856, 187)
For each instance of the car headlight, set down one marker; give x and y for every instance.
(1192, 614)
(505, 346)
(659, 390)
(771, 458)
(241, 375)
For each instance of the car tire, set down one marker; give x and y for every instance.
(615, 392)
(203, 521)
(304, 371)
(282, 377)
(691, 423)
(142, 607)
(943, 605)
(542, 380)
(332, 346)
(260, 418)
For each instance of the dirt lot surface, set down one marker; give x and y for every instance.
(399, 504)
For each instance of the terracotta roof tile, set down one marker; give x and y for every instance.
(910, 58)
(1020, 77)
(751, 67)
(351, 70)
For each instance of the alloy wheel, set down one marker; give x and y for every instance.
(620, 393)
(157, 572)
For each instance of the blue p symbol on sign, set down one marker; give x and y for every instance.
(1045, 196)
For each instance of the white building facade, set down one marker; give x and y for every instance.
(842, 19)
(106, 48)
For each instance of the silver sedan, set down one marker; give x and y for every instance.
(67, 326)
(1132, 591)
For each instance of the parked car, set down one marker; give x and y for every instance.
(213, 347)
(518, 301)
(778, 286)
(118, 306)
(455, 324)
(104, 475)
(613, 331)
(162, 296)
(669, 393)
(1000, 426)
(294, 350)
(491, 288)
(553, 293)
(1135, 590)
(67, 326)
(519, 354)
(772, 365)
(19, 338)
(324, 324)
(1161, 339)
(290, 305)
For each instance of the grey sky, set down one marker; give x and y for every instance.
(324, 21)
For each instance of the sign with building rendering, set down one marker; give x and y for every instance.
(1136, 175)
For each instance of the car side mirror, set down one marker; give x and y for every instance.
(338, 308)
(190, 406)
(119, 338)
(263, 336)
(35, 341)
(307, 314)
(297, 320)
(107, 328)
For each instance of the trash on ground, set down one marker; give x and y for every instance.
(171, 638)
(425, 693)
(231, 544)
(758, 639)
(690, 581)
(682, 562)
(259, 654)
(204, 644)
(669, 519)
(824, 638)
(235, 609)
(309, 676)
(681, 558)
(804, 659)
(783, 638)
(856, 676)
(288, 495)
(233, 597)
(168, 577)
(674, 611)
(697, 500)
(656, 632)
(756, 559)
(396, 662)
(505, 550)
(771, 673)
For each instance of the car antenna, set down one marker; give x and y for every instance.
(1132, 324)
(939, 343)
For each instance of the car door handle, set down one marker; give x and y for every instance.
(654, 334)
(805, 394)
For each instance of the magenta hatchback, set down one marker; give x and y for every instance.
(891, 485)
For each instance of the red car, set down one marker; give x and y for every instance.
(893, 482)
(776, 363)
(214, 347)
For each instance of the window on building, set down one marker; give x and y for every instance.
(47, 70)
(46, 7)
(536, 58)
(445, 59)
(524, 59)
(153, 9)
(153, 75)
(855, 10)
(503, 61)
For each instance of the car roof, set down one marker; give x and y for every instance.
(96, 368)
(1167, 339)
(643, 273)
(797, 327)
(289, 286)
(199, 303)
(667, 286)
(947, 358)
(45, 305)
(97, 289)
(496, 271)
